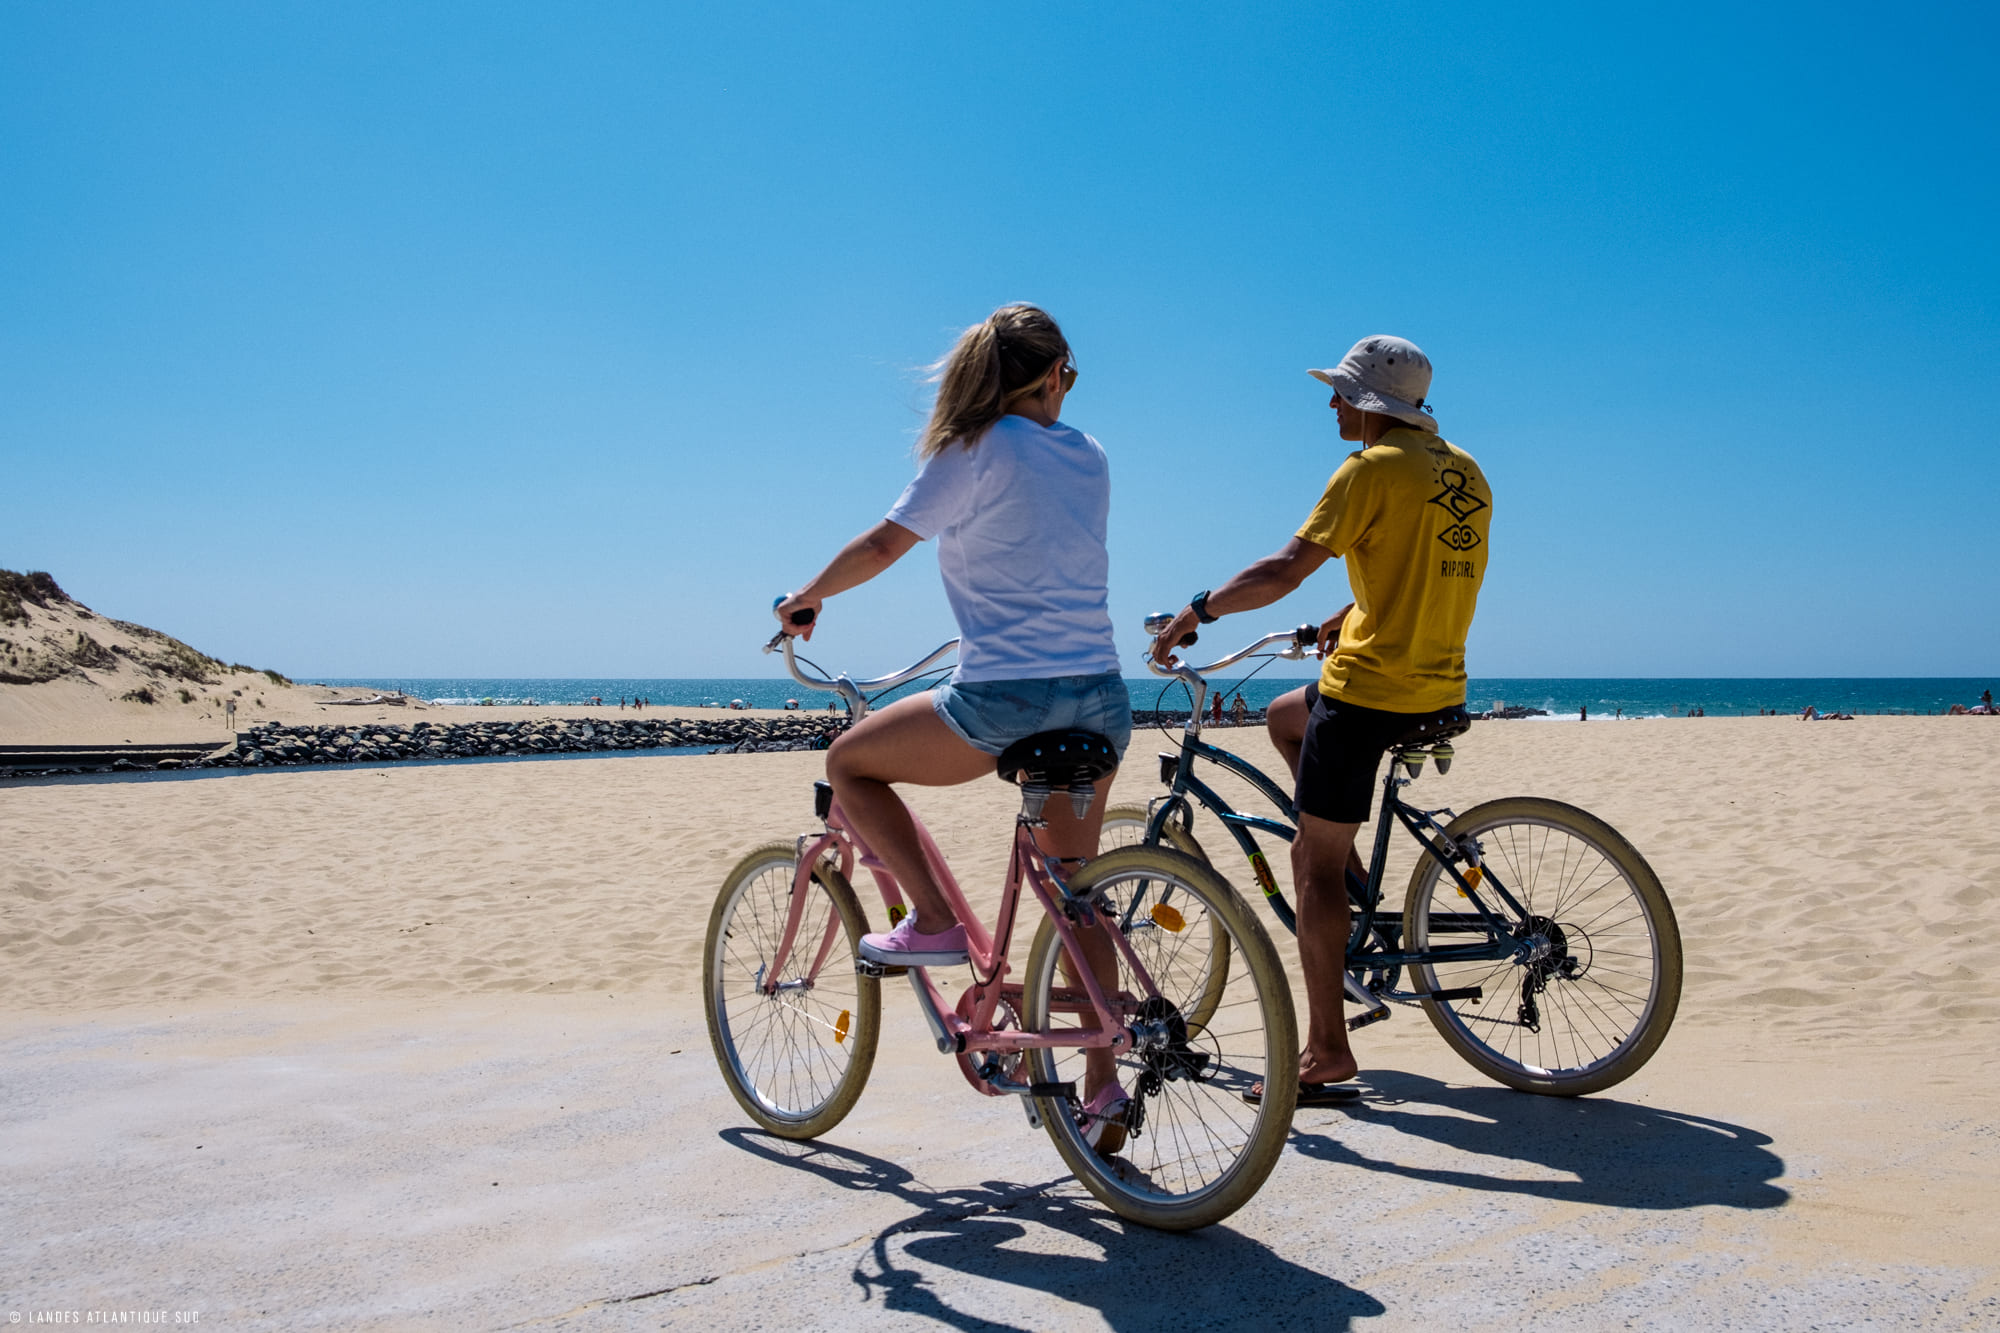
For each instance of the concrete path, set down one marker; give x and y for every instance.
(573, 1162)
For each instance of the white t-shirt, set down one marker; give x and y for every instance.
(1019, 519)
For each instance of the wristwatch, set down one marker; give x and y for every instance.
(1199, 605)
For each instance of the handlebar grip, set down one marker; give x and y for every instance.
(1306, 635)
(803, 616)
(1188, 640)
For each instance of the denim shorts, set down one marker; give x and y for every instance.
(990, 715)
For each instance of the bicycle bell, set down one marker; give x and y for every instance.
(1156, 624)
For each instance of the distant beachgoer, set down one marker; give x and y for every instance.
(1215, 710)
(1239, 711)
(1956, 710)
(1811, 714)
(1619, 714)
(1986, 697)
(1583, 712)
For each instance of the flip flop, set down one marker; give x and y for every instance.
(1313, 1094)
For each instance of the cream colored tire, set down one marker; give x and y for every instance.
(1199, 1151)
(795, 1060)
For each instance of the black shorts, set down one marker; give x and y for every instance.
(1343, 749)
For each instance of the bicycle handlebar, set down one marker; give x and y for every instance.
(1295, 642)
(854, 692)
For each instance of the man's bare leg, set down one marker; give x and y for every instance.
(1319, 854)
(1285, 721)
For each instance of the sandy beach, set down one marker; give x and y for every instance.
(398, 1046)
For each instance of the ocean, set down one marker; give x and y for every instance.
(1561, 698)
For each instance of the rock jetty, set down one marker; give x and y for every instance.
(274, 744)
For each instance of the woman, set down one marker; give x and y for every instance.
(1018, 502)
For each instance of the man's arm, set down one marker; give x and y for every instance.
(1259, 584)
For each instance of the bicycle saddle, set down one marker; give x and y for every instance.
(1439, 727)
(1057, 760)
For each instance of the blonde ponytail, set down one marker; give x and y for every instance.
(995, 362)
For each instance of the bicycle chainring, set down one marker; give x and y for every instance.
(979, 1067)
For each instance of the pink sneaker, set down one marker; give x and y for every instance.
(904, 947)
(1103, 1119)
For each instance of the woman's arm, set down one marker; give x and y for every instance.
(859, 561)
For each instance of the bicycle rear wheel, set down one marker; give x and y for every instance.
(1195, 1150)
(1595, 996)
(1125, 826)
(795, 1058)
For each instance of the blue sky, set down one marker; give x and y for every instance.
(556, 340)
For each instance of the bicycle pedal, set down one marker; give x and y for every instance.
(867, 968)
(1462, 993)
(1372, 1016)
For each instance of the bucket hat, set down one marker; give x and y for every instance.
(1386, 374)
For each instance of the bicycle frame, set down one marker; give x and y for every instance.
(1375, 943)
(973, 1030)
(955, 1032)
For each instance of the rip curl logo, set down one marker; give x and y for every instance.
(1461, 504)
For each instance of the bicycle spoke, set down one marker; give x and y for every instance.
(1592, 985)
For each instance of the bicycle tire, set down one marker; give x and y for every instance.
(1197, 1151)
(795, 1061)
(1120, 822)
(1610, 971)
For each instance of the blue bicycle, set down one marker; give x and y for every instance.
(1534, 936)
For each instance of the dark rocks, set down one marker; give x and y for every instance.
(274, 744)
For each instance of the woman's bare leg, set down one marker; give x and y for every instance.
(1075, 840)
(905, 742)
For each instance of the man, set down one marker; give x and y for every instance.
(1409, 513)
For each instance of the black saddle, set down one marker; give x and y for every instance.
(1057, 760)
(1439, 726)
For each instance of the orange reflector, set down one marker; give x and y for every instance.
(1473, 875)
(1168, 919)
(840, 1027)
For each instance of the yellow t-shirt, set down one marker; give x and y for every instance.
(1410, 515)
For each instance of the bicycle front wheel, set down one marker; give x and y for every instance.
(1125, 826)
(1195, 1149)
(795, 1054)
(1596, 991)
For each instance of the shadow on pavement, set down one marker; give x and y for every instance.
(1622, 1155)
(1135, 1279)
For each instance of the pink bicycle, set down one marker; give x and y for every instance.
(794, 1011)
